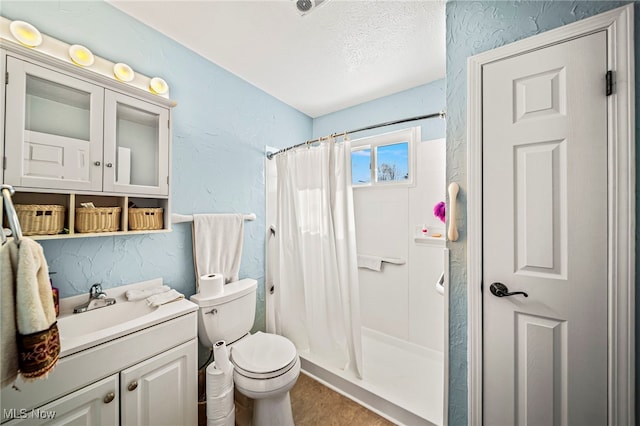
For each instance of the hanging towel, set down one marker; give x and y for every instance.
(38, 338)
(217, 245)
(375, 262)
(8, 344)
(370, 262)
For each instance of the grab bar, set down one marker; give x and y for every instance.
(453, 195)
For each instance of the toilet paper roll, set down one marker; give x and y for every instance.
(211, 284)
(228, 420)
(221, 356)
(218, 382)
(219, 406)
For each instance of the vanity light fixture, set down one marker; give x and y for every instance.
(123, 72)
(25, 33)
(80, 55)
(158, 86)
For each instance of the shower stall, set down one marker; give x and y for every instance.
(402, 305)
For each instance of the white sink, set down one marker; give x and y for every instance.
(101, 318)
(91, 328)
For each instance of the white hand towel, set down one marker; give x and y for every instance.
(8, 345)
(163, 298)
(38, 338)
(370, 262)
(133, 295)
(217, 244)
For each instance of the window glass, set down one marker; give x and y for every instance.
(392, 162)
(361, 166)
(383, 160)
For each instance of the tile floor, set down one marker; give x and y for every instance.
(314, 404)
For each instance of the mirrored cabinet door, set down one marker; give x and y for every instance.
(53, 129)
(136, 146)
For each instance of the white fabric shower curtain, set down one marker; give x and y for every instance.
(317, 301)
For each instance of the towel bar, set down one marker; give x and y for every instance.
(181, 218)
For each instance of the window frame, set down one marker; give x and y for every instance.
(410, 135)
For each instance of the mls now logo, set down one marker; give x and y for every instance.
(22, 413)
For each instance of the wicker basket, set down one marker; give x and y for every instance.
(37, 219)
(99, 219)
(145, 219)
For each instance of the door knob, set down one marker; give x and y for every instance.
(109, 397)
(132, 386)
(501, 290)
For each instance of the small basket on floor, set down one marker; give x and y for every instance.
(40, 219)
(98, 219)
(145, 219)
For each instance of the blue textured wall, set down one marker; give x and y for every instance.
(426, 99)
(474, 27)
(220, 128)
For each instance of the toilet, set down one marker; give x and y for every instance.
(266, 366)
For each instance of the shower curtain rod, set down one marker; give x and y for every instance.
(440, 114)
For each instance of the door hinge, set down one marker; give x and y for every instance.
(168, 124)
(6, 77)
(4, 163)
(167, 180)
(609, 82)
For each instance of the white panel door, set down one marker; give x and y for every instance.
(545, 233)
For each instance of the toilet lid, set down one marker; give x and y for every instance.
(263, 353)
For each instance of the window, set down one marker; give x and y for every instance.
(385, 159)
(361, 166)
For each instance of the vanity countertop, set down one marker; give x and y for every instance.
(87, 329)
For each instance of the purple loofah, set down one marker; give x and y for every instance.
(439, 210)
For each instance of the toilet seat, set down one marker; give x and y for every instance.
(263, 356)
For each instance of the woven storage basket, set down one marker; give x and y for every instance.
(145, 218)
(40, 219)
(99, 219)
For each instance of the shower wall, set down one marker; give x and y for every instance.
(401, 300)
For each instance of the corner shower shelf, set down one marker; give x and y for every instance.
(430, 241)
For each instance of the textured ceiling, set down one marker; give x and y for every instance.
(340, 54)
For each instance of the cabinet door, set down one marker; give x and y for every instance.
(53, 129)
(162, 390)
(136, 149)
(96, 404)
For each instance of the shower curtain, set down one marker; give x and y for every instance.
(317, 301)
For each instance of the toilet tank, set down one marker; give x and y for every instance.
(235, 311)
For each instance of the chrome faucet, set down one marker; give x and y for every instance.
(97, 299)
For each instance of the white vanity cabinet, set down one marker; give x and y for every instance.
(148, 377)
